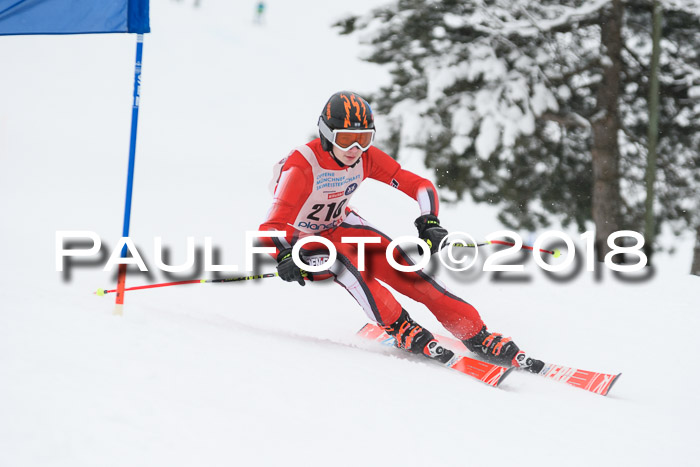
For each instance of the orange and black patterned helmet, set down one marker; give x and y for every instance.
(345, 110)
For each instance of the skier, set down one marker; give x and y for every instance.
(312, 190)
(259, 13)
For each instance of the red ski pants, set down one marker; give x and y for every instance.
(456, 315)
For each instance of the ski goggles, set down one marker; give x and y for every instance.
(346, 139)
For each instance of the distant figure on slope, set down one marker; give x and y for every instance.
(311, 197)
(260, 13)
(196, 3)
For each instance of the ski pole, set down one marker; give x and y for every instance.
(102, 292)
(469, 245)
(555, 253)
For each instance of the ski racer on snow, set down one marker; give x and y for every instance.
(312, 196)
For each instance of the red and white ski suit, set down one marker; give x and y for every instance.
(311, 197)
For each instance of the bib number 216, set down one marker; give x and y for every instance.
(333, 210)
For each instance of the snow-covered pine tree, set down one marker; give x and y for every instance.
(541, 106)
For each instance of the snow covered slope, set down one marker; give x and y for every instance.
(266, 372)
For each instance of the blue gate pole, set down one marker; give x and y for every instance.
(119, 301)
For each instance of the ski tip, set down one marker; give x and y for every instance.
(614, 380)
(504, 375)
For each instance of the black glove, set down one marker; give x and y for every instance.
(430, 231)
(287, 270)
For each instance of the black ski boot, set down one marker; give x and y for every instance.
(412, 337)
(502, 351)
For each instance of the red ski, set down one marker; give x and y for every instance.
(598, 383)
(488, 373)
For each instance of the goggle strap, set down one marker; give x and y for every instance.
(325, 131)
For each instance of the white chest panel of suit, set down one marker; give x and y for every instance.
(331, 192)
